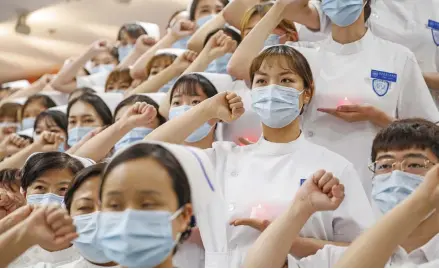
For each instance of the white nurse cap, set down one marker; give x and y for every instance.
(222, 82)
(173, 51)
(86, 162)
(151, 29)
(111, 99)
(156, 96)
(59, 108)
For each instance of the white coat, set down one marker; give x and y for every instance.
(329, 255)
(370, 71)
(38, 256)
(260, 181)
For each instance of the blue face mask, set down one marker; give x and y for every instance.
(102, 68)
(86, 243)
(77, 133)
(388, 190)
(28, 123)
(182, 43)
(343, 12)
(272, 40)
(277, 106)
(203, 20)
(137, 238)
(124, 51)
(198, 134)
(168, 85)
(132, 136)
(44, 199)
(219, 66)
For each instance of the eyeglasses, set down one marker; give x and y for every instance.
(414, 165)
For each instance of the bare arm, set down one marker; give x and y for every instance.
(375, 246)
(432, 80)
(68, 74)
(235, 10)
(303, 12)
(253, 43)
(34, 88)
(138, 69)
(196, 42)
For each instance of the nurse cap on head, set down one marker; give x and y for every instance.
(172, 51)
(28, 132)
(207, 201)
(221, 82)
(111, 100)
(85, 161)
(16, 84)
(62, 109)
(151, 29)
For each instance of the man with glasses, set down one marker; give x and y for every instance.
(402, 154)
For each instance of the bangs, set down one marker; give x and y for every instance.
(186, 87)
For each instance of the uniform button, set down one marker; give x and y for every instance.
(231, 207)
(310, 133)
(234, 174)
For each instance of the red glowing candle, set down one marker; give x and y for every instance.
(344, 102)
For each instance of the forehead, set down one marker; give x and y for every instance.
(399, 154)
(274, 64)
(103, 56)
(162, 60)
(203, 3)
(46, 121)
(144, 174)
(89, 188)
(81, 108)
(55, 176)
(189, 90)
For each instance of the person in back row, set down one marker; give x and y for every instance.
(402, 154)
(260, 180)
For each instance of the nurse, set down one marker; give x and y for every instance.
(277, 164)
(85, 114)
(119, 81)
(135, 117)
(33, 107)
(140, 227)
(45, 178)
(254, 41)
(82, 203)
(52, 121)
(363, 83)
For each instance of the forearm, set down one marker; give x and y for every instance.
(65, 88)
(17, 160)
(381, 119)
(156, 82)
(69, 72)
(13, 243)
(304, 247)
(200, 64)
(253, 43)
(196, 42)
(235, 10)
(177, 130)
(138, 70)
(375, 246)
(273, 245)
(100, 145)
(307, 15)
(26, 92)
(165, 105)
(129, 60)
(432, 80)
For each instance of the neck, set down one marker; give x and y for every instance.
(286, 134)
(349, 34)
(167, 263)
(205, 143)
(423, 233)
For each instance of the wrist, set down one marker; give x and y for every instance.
(25, 235)
(171, 37)
(124, 126)
(302, 209)
(36, 147)
(207, 110)
(380, 118)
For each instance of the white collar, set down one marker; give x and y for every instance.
(431, 249)
(351, 48)
(270, 148)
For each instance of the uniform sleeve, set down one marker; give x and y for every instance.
(355, 213)
(325, 22)
(324, 258)
(415, 99)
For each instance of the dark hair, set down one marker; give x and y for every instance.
(180, 182)
(40, 163)
(139, 98)
(30, 139)
(407, 134)
(134, 30)
(367, 10)
(175, 14)
(80, 178)
(187, 85)
(296, 62)
(9, 177)
(228, 31)
(83, 90)
(60, 119)
(194, 6)
(119, 75)
(46, 101)
(97, 103)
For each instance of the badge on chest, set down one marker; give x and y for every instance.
(434, 26)
(381, 81)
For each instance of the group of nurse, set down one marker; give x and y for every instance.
(244, 136)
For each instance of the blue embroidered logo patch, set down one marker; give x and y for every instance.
(434, 26)
(381, 81)
(302, 180)
(391, 77)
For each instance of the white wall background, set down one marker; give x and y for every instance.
(64, 28)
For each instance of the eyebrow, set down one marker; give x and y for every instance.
(84, 198)
(63, 182)
(114, 193)
(287, 73)
(205, 6)
(149, 192)
(386, 156)
(260, 73)
(415, 155)
(41, 181)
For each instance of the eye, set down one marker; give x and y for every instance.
(89, 121)
(147, 205)
(114, 205)
(72, 122)
(415, 165)
(176, 103)
(63, 189)
(54, 130)
(261, 81)
(39, 188)
(153, 73)
(196, 102)
(287, 80)
(38, 132)
(85, 208)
